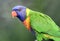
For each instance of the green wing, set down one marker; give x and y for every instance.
(43, 23)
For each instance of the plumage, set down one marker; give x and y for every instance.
(44, 25)
(41, 24)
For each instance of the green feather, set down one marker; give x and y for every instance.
(43, 24)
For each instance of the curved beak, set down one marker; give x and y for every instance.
(14, 14)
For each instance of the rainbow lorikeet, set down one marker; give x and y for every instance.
(40, 24)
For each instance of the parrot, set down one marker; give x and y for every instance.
(40, 24)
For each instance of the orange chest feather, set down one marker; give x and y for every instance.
(27, 23)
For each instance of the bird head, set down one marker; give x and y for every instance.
(20, 12)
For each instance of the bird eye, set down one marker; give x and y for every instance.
(19, 9)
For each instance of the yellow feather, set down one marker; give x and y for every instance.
(48, 36)
(27, 11)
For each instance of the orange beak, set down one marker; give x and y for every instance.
(14, 14)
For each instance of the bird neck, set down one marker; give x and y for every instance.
(27, 12)
(26, 22)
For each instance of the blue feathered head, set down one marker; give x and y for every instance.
(20, 12)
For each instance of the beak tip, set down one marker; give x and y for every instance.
(14, 14)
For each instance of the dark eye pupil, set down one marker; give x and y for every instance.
(19, 10)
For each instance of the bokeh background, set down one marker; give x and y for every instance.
(13, 29)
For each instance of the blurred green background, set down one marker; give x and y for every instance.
(13, 29)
